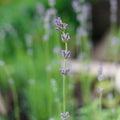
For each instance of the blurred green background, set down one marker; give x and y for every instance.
(30, 82)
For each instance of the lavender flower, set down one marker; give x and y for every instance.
(60, 26)
(40, 9)
(58, 21)
(65, 71)
(65, 54)
(51, 3)
(65, 37)
(75, 5)
(65, 116)
(48, 21)
(64, 25)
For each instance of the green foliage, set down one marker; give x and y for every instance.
(34, 67)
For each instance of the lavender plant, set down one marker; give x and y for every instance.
(82, 11)
(65, 37)
(113, 10)
(48, 23)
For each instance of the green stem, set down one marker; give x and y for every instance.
(64, 100)
(15, 97)
(64, 79)
(100, 103)
(66, 47)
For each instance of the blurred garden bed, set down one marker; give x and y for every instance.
(30, 61)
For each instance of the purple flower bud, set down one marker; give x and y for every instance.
(58, 21)
(58, 28)
(65, 37)
(65, 116)
(65, 71)
(65, 54)
(60, 25)
(64, 26)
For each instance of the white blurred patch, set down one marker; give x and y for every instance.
(117, 80)
(2, 63)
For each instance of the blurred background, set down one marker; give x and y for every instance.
(30, 81)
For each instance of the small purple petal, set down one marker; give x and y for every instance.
(67, 115)
(65, 37)
(58, 21)
(62, 52)
(64, 26)
(68, 54)
(65, 71)
(65, 54)
(58, 28)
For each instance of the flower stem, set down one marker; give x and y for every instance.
(100, 103)
(64, 79)
(64, 100)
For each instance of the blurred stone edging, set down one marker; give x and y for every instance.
(109, 69)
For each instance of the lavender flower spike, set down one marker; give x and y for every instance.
(65, 116)
(65, 37)
(66, 54)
